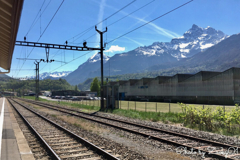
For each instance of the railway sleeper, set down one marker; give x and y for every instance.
(77, 155)
(92, 158)
(59, 140)
(63, 144)
(72, 151)
(68, 147)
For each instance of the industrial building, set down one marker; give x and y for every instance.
(203, 87)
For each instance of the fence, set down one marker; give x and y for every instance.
(151, 106)
(164, 107)
(85, 102)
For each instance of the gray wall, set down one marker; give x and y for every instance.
(202, 87)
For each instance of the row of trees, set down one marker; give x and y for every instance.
(30, 85)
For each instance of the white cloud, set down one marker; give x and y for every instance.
(157, 29)
(160, 30)
(100, 16)
(115, 49)
(101, 12)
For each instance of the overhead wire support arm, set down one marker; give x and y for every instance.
(47, 46)
(54, 46)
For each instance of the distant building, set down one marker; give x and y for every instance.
(203, 87)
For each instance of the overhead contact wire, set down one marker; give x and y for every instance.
(151, 21)
(43, 32)
(87, 30)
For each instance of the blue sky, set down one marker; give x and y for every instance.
(75, 16)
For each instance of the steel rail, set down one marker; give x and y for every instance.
(38, 135)
(149, 135)
(82, 140)
(144, 126)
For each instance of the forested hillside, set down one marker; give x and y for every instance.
(29, 85)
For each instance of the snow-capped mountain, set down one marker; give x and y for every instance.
(85, 69)
(193, 41)
(97, 57)
(220, 57)
(54, 75)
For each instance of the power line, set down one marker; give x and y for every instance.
(123, 17)
(118, 10)
(72, 60)
(43, 33)
(84, 32)
(37, 18)
(19, 60)
(151, 21)
(87, 30)
(131, 13)
(33, 24)
(52, 57)
(51, 20)
(47, 26)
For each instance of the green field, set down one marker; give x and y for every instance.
(163, 107)
(86, 106)
(138, 106)
(168, 113)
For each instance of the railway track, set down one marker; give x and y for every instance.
(60, 142)
(184, 143)
(36, 146)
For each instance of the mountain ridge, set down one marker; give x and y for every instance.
(142, 59)
(83, 71)
(53, 75)
(158, 56)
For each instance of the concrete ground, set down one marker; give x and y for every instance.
(13, 143)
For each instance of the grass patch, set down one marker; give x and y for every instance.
(36, 107)
(217, 121)
(163, 106)
(210, 116)
(78, 104)
(152, 116)
(33, 98)
(54, 115)
(83, 124)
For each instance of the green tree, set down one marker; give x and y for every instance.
(76, 88)
(95, 87)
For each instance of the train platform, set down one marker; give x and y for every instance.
(13, 143)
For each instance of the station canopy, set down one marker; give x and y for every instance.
(10, 13)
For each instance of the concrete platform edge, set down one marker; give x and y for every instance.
(24, 149)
